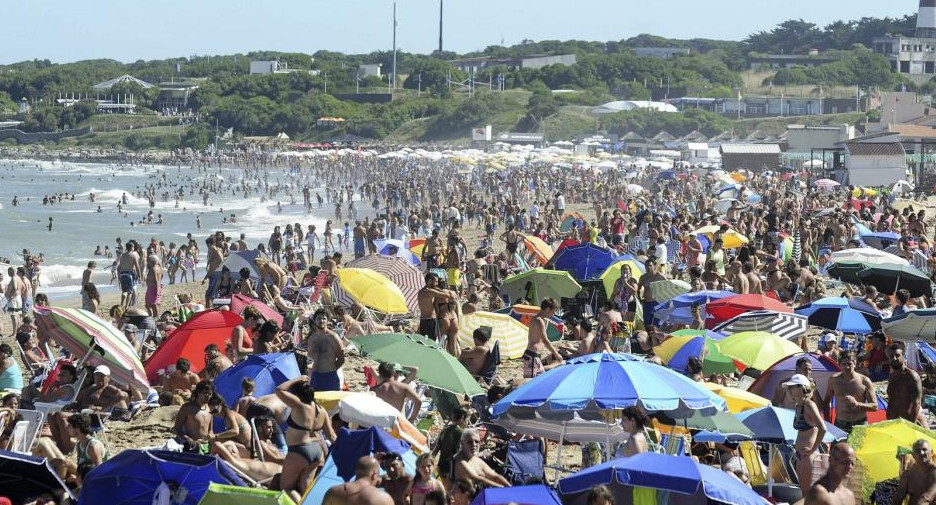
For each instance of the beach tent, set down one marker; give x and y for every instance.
(823, 368)
(267, 371)
(141, 477)
(347, 449)
(190, 339)
(243, 259)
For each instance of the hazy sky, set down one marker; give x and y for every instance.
(129, 30)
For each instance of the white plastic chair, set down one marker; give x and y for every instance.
(18, 440)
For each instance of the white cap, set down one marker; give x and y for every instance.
(102, 369)
(798, 380)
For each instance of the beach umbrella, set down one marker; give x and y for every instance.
(826, 183)
(575, 430)
(190, 339)
(889, 278)
(911, 325)
(676, 311)
(726, 308)
(823, 368)
(722, 423)
(676, 351)
(524, 314)
(364, 409)
(220, 494)
(775, 425)
(406, 276)
(538, 248)
(738, 400)
(731, 239)
(135, 476)
(556, 284)
(584, 261)
(569, 220)
(868, 255)
(876, 447)
(266, 370)
(781, 324)
(843, 314)
(847, 271)
(606, 382)
(756, 349)
(437, 368)
(511, 334)
(397, 248)
(880, 239)
(533, 494)
(23, 477)
(611, 274)
(677, 474)
(240, 302)
(77, 330)
(668, 289)
(372, 289)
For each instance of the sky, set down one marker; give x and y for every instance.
(129, 30)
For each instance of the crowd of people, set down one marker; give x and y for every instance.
(790, 230)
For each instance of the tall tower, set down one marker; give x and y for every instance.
(441, 5)
(926, 20)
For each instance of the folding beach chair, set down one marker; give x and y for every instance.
(491, 362)
(34, 420)
(525, 461)
(37, 368)
(18, 438)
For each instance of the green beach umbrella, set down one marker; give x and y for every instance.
(437, 368)
(544, 283)
(721, 422)
(219, 494)
(847, 271)
(889, 278)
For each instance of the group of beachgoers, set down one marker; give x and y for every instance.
(446, 203)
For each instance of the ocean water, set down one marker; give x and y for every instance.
(78, 228)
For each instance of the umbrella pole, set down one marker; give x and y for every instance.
(559, 453)
(770, 453)
(87, 355)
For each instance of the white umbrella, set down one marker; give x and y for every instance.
(826, 183)
(868, 255)
(635, 189)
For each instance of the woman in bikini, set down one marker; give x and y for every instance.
(306, 448)
(237, 426)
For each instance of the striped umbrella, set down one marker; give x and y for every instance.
(511, 334)
(779, 323)
(406, 276)
(77, 330)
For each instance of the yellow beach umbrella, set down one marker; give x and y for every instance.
(876, 446)
(511, 334)
(738, 400)
(372, 289)
(613, 273)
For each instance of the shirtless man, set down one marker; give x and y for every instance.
(853, 393)
(904, 389)
(755, 285)
(215, 259)
(832, 488)
(103, 395)
(539, 349)
(363, 490)
(128, 272)
(271, 273)
(776, 279)
(360, 236)
(427, 298)
(154, 276)
(470, 466)
(474, 357)
(193, 422)
(645, 291)
(395, 391)
(326, 354)
(182, 381)
(740, 283)
(918, 483)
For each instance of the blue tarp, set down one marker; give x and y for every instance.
(535, 494)
(267, 371)
(133, 477)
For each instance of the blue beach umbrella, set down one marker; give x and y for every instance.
(535, 494)
(843, 314)
(267, 371)
(394, 247)
(879, 240)
(775, 425)
(677, 474)
(676, 311)
(134, 476)
(584, 261)
(608, 382)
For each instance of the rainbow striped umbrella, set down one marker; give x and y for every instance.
(76, 330)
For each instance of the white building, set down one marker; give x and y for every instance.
(805, 139)
(369, 70)
(875, 162)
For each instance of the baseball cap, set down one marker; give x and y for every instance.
(398, 368)
(798, 380)
(102, 369)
